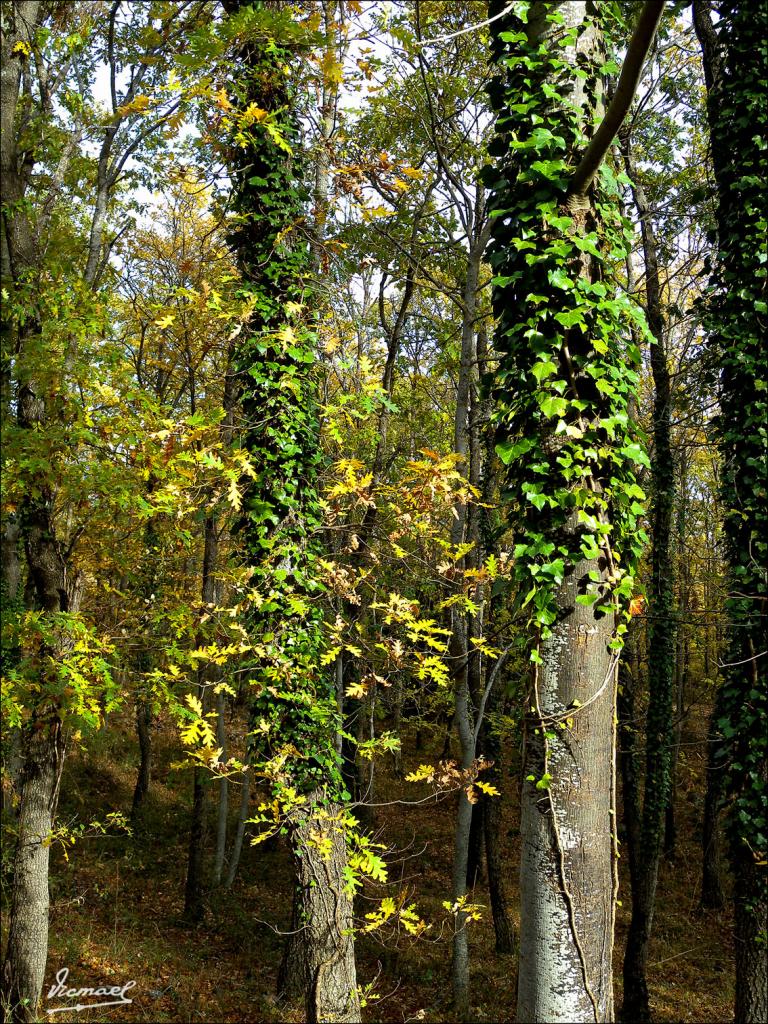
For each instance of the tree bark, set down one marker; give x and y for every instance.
(751, 924)
(464, 626)
(326, 911)
(568, 871)
(567, 880)
(735, 68)
(26, 952)
(294, 977)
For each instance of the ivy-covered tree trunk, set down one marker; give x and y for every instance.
(661, 630)
(736, 68)
(294, 697)
(562, 391)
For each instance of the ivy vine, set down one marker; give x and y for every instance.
(736, 320)
(275, 367)
(568, 365)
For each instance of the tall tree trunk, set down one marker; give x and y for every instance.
(295, 977)
(464, 626)
(282, 513)
(149, 585)
(751, 926)
(682, 657)
(460, 959)
(550, 399)
(476, 845)
(567, 879)
(661, 629)
(194, 907)
(12, 607)
(736, 320)
(627, 754)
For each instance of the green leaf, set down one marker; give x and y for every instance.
(551, 405)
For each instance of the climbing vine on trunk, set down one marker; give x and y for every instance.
(275, 367)
(566, 375)
(736, 318)
(294, 706)
(568, 368)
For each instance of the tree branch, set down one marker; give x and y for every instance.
(637, 51)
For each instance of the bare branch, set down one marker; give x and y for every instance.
(637, 51)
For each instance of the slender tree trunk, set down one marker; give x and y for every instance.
(223, 811)
(193, 891)
(194, 907)
(661, 630)
(502, 921)
(144, 733)
(476, 846)
(237, 845)
(627, 754)
(12, 606)
(150, 576)
(460, 960)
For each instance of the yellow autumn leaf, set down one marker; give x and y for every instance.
(138, 105)
(222, 100)
(164, 322)
(488, 789)
(333, 73)
(233, 495)
(253, 113)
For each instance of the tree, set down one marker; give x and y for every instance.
(278, 390)
(562, 392)
(736, 68)
(662, 629)
(53, 307)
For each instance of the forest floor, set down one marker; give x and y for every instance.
(117, 902)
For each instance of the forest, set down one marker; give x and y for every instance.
(384, 511)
